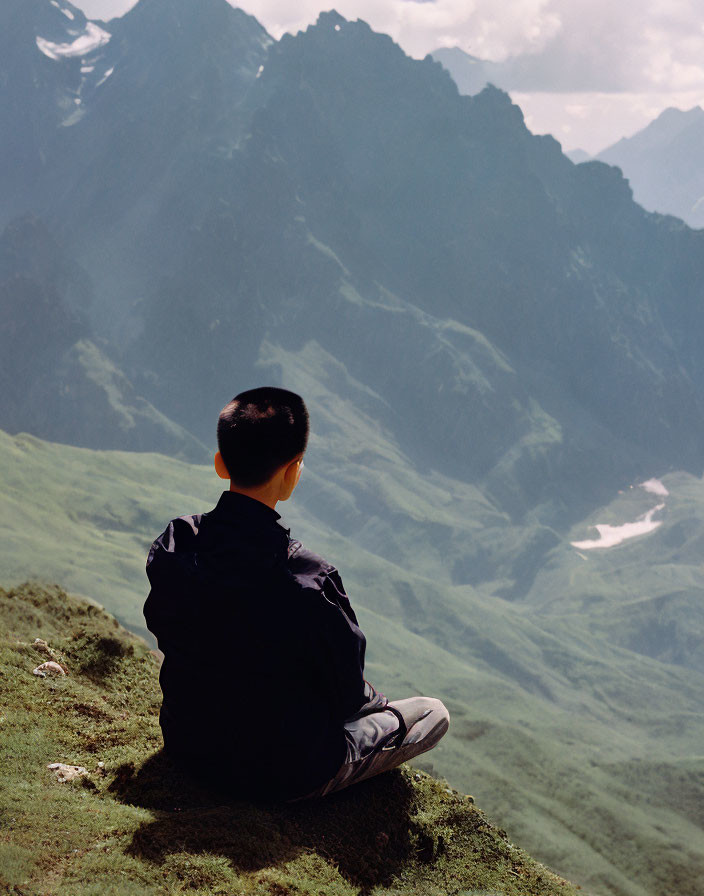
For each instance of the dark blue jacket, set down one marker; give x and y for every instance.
(263, 657)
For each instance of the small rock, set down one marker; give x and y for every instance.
(416, 777)
(67, 772)
(101, 765)
(41, 645)
(47, 668)
(470, 799)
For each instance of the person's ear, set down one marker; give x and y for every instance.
(220, 467)
(292, 474)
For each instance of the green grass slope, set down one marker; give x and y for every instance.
(587, 751)
(87, 518)
(646, 594)
(132, 824)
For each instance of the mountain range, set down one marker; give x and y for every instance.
(556, 68)
(493, 342)
(663, 164)
(371, 203)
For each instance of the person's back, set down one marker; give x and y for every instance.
(263, 657)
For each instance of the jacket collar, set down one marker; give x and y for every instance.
(235, 503)
(239, 508)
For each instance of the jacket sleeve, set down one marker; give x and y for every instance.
(153, 607)
(337, 648)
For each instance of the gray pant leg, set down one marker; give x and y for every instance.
(371, 740)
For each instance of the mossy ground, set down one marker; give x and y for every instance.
(136, 825)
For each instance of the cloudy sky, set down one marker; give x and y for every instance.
(593, 70)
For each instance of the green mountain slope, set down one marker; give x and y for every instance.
(132, 824)
(644, 594)
(587, 752)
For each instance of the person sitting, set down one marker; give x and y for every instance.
(263, 685)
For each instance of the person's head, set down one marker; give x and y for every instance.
(262, 436)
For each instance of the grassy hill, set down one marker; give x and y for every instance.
(132, 824)
(586, 750)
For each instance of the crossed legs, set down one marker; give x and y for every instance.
(374, 743)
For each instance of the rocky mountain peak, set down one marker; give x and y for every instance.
(189, 22)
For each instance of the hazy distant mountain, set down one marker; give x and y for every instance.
(578, 156)
(470, 73)
(556, 68)
(664, 164)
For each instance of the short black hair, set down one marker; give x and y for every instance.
(259, 431)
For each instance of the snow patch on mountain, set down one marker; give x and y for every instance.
(92, 39)
(610, 536)
(105, 77)
(655, 487)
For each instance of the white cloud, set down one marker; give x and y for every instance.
(577, 110)
(603, 118)
(104, 9)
